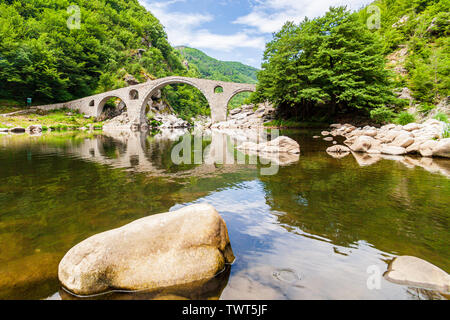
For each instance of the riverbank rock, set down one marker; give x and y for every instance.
(247, 117)
(161, 250)
(393, 150)
(426, 139)
(413, 271)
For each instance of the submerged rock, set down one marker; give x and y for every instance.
(338, 149)
(173, 248)
(413, 271)
(17, 130)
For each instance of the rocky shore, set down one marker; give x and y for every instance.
(247, 116)
(429, 139)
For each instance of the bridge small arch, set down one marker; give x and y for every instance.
(237, 92)
(218, 89)
(109, 98)
(92, 103)
(134, 94)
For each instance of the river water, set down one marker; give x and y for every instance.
(319, 228)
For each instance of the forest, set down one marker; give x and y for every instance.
(340, 63)
(43, 57)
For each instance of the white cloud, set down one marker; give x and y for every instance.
(268, 16)
(185, 28)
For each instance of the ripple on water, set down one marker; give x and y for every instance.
(287, 275)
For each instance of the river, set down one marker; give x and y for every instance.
(319, 228)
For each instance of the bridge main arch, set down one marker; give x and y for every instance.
(161, 83)
(217, 99)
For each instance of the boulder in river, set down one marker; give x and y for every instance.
(413, 271)
(280, 144)
(17, 130)
(338, 149)
(34, 129)
(168, 249)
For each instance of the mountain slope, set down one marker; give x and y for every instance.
(415, 36)
(41, 57)
(214, 69)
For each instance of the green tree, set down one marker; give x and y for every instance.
(332, 62)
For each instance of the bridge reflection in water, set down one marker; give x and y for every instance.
(197, 153)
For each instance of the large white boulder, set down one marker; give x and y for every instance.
(413, 271)
(173, 248)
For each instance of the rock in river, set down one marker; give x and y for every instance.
(162, 250)
(413, 271)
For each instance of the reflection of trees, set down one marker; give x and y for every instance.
(398, 210)
(111, 148)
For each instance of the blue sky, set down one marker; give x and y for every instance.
(234, 30)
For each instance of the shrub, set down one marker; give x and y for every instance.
(426, 107)
(404, 118)
(441, 117)
(382, 114)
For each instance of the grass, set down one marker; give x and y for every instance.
(54, 119)
(8, 109)
(441, 117)
(404, 118)
(446, 133)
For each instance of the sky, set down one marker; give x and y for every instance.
(234, 30)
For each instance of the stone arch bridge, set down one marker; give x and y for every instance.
(137, 96)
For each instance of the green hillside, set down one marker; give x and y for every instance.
(41, 57)
(214, 69)
(420, 29)
(210, 68)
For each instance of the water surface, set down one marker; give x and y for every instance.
(311, 231)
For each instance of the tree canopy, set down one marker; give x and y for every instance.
(333, 62)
